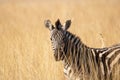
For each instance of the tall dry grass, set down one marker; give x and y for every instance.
(25, 48)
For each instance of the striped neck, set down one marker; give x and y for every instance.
(73, 47)
(76, 54)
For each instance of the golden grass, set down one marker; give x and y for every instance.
(25, 48)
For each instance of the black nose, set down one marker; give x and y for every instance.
(50, 38)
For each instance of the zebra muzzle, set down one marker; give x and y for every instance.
(58, 55)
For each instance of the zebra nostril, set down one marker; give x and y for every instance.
(50, 38)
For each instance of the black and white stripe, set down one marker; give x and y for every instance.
(77, 54)
(79, 59)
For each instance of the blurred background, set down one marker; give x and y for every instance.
(25, 47)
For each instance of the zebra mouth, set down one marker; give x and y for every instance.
(58, 56)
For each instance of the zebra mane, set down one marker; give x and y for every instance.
(74, 38)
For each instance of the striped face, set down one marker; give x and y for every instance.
(57, 37)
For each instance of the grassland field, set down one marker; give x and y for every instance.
(25, 47)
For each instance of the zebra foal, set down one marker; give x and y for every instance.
(80, 61)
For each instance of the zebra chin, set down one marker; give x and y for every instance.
(58, 57)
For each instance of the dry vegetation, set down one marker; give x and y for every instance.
(25, 48)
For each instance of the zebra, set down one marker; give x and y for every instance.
(81, 61)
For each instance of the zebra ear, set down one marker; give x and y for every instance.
(58, 24)
(48, 24)
(67, 25)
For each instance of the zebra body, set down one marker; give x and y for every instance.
(80, 60)
(103, 58)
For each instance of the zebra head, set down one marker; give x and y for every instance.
(58, 37)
